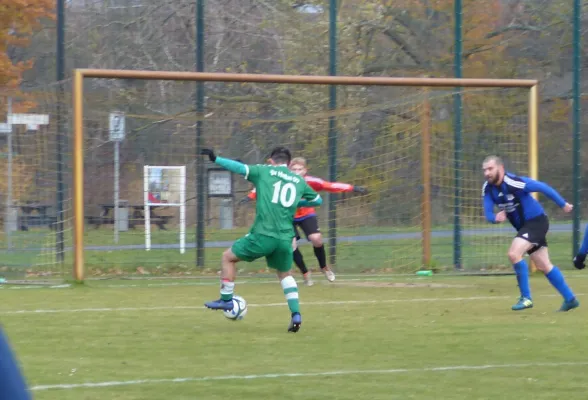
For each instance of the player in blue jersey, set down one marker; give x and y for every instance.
(12, 383)
(512, 195)
(580, 258)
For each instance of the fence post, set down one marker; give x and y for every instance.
(576, 126)
(332, 138)
(457, 113)
(200, 176)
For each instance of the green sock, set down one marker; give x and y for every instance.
(291, 292)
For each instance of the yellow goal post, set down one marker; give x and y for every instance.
(78, 122)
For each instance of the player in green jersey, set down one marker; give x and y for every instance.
(279, 193)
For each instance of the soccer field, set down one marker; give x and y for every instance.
(381, 337)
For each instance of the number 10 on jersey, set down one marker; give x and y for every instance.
(285, 195)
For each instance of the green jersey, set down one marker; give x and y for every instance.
(278, 191)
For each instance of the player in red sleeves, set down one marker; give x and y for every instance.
(306, 219)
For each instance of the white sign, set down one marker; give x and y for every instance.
(168, 182)
(5, 128)
(28, 119)
(117, 126)
(219, 183)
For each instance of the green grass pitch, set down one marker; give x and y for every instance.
(376, 337)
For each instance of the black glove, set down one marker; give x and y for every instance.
(244, 200)
(209, 153)
(360, 189)
(579, 261)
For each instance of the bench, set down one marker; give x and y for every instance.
(30, 221)
(160, 221)
(98, 220)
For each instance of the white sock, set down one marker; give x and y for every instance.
(291, 292)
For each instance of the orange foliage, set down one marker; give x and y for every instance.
(481, 50)
(18, 20)
(482, 44)
(22, 177)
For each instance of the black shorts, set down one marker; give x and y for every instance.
(535, 232)
(308, 225)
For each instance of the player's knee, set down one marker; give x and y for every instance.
(282, 274)
(229, 256)
(316, 239)
(514, 256)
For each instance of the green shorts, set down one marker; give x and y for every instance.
(277, 252)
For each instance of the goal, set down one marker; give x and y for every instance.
(407, 140)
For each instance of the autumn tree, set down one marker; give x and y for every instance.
(19, 19)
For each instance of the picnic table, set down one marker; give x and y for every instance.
(35, 214)
(137, 216)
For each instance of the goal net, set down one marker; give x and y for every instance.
(398, 142)
(35, 188)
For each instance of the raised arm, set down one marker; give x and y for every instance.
(319, 184)
(232, 165)
(532, 185)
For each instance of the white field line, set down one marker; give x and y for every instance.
(215, 282)
(21, 287)
(208, 282)
(313, 303)
(69, 386)
(263, 280)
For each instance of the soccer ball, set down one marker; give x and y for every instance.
(239, 309)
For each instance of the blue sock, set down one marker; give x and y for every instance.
(522, 270)
(584, 247)
(556, 278)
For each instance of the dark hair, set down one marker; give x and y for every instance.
(494, 158)
(281, 155)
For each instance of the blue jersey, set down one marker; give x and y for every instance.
(513, 196)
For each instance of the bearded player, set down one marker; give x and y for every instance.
(280, 192)
(512, 195)
(306, 219)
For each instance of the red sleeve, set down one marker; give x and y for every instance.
(321, 185)
(252, 195)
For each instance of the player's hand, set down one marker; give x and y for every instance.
(244, 200)
(209, 153)
(500, 217)
(567, 208)
(360, 189)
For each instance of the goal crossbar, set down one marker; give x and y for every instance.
(302, 79)
(81, 74)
